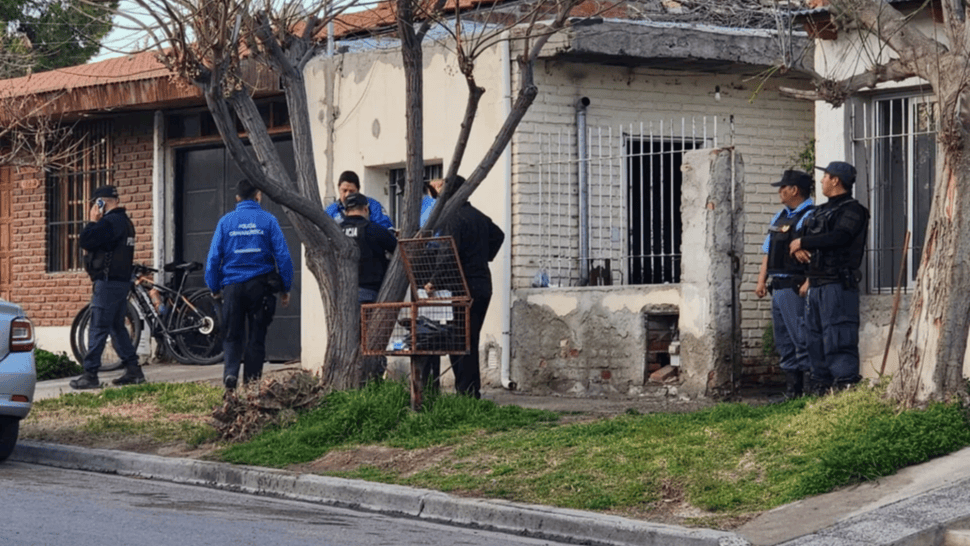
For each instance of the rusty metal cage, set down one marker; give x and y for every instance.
(436, 320)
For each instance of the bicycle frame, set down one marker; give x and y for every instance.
(164, 326)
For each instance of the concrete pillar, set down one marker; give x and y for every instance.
(712, 248)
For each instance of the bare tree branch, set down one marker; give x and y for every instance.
(836, 92)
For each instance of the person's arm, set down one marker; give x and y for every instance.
(495, 238)
(850, 222)
(377, 215)
(213, 262)
(762, 289)
(281, 253)
(96, 235)
(386, 240)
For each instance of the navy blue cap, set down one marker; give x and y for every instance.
(841, 169)
(795, 178)
(355, 200)
(105, 191)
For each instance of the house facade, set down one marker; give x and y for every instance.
(890, 134)
(585, 303)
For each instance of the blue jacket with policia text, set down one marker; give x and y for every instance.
(248, 242)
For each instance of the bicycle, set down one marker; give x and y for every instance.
(184, 321)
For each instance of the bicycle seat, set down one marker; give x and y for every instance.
(141, 269)
(187, 267)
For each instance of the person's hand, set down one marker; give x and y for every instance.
(429, 288)
(95, 213)
(761, 290)
(794, 246)
(285, 299)
(803, 289)
(217, 296)
(803, 256)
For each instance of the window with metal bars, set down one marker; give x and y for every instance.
(895, 157)
(69, 187)
(395, 190)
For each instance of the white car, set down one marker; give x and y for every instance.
(18, 373)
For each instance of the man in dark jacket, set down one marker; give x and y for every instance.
(374, 241)
(478, 241)
(248, 248)
(108, 241)
(833, 244)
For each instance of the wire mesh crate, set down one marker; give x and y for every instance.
(409, 328)
(436, 320)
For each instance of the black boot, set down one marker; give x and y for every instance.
(794, 384)
(133, 376)
(817, 387)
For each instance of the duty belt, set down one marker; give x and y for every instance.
(780, 283)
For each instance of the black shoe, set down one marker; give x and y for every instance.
(133, 376)
(794, 384)
(86, 381)
(230, 382)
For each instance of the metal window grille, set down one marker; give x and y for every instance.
(894, 148)
(69, 189)
(634, 181)
(395, 190)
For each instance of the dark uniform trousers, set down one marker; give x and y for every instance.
(832, 321)
(788, 321)
(247, 311)
(468, 379)
(109, 307)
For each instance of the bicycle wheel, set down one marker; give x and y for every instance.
(109, 358)
(198, 328)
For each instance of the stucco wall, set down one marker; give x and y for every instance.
(367, 135)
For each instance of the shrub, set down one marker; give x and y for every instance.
(54, 366)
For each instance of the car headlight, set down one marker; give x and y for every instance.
(21, 335)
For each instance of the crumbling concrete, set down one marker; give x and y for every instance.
(710, 279)
(593, 341)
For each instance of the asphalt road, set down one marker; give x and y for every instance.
(51, 506)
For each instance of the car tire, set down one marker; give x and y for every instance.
(9, 429)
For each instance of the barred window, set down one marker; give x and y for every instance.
(69, 187)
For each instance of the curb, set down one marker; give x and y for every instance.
(530, 520)
(921, 520)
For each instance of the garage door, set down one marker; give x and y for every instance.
(206, 189)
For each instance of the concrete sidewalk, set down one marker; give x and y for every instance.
(916, 507)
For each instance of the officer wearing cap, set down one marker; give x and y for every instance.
(347, 183)
(108, 241)
(247, 248)
(787, 277)
(374, 241)
(833, 244)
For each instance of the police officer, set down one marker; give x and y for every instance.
(787, 276)
(109, 249)
(833, 245)
(347, 183)
(374, 242)
(247, 248)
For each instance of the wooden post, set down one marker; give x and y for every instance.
(417, 387)
(892, 319)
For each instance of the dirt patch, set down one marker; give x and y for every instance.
(403, 462)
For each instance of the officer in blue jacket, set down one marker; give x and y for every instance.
(247, 250)
(348, 183)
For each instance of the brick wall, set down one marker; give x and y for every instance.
(768, 131)
(52, 299)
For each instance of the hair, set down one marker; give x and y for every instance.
(457, 183)
(245, 189)
(349, 176)
(804, 191)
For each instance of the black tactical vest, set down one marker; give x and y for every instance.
(114, 264)
(780, 234)
(834, 262)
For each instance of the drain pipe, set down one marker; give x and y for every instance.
(581, 105)
(506, 291)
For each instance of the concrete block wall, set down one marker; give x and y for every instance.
(52, 299)
(769, 130)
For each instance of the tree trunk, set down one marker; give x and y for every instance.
(931, 359)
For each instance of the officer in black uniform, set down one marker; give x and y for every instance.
(375, 243)
(787, 277)
(108, 241)
(833, 244)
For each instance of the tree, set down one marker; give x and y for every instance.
(213, 43)
(46, 34)
(931, 363)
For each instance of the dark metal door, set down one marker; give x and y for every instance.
(206, 189)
